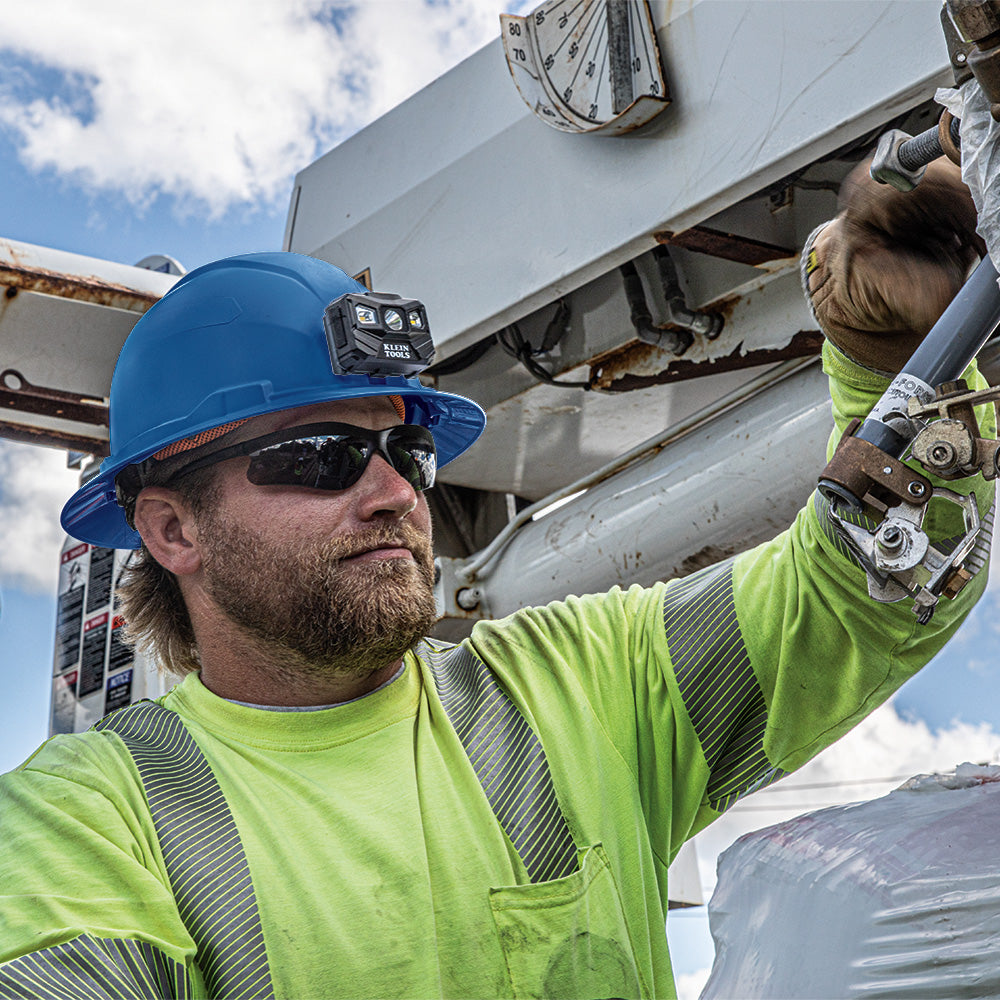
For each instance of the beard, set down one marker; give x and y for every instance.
(311, 610)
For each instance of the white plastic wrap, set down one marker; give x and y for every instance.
(980, 157)
(894, 898)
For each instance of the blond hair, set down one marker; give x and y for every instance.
(149, 598)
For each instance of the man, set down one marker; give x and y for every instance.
(329, 806)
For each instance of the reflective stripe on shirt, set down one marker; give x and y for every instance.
(205, 859)
(718, 685)
(201, 847)
(507, 758)
(88, 968)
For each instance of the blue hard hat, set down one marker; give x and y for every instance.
(235, 339)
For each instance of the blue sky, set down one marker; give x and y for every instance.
(181, 135)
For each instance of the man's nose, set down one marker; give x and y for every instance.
(382, 491)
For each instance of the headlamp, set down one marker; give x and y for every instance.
(377, 334)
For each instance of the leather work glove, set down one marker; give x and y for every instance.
(880, 274)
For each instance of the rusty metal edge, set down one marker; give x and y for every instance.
(805, 343)
(727, 246)
(54, 439)
(82, 288)
(77, 410)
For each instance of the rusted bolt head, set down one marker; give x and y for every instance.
(956, 582)
(916, 488)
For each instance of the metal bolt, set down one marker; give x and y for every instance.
(916, 488)
(942, 453)
(887, 470)
(891, 539)
(468, 598)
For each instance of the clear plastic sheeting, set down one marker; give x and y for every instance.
(980, 157)
(894, 898)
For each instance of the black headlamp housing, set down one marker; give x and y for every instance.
(378, 334)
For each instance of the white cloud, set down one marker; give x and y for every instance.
(214, 102)
(34, 484)
(690, 984)
(885, 746)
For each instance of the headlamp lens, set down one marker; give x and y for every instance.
(366, 315)
(394, 320)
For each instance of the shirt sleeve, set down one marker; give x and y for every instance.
(781, 651)
(706, 688)
(85, 905)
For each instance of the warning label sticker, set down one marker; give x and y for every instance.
(119, 691)
(69, 607)
(119, 655)
(102, 563)
(95, 638)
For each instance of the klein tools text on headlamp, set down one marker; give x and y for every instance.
(378, 334)
(331, 456)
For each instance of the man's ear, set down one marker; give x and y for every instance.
(168, 529)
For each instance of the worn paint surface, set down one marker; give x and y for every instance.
(53, 438)
(18, 277)
(728, 246)
(637, 365)
(63, 318)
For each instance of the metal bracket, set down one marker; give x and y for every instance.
(900, 561)
(951, 396)
(897, 555)
(861, 469)
(950, 446)
(21, 400)
(17, 393)
(958, 48)
(978, 21)
(455, 596)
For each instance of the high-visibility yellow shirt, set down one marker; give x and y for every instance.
(377, 863)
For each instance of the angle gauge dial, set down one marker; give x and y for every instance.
(587, 65)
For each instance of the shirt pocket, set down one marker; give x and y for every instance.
(568, 938)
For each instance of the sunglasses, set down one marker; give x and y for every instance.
(332, 456)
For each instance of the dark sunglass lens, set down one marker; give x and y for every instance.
(325, 463)
(342, 460)
(413, 456)
(291, 463)
(336, 461)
